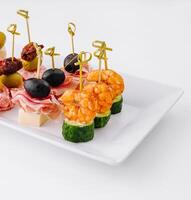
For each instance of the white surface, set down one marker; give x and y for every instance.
(124, 131)
(151, 39)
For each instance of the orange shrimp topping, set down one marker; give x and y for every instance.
(78, 106)
(102, 94)
(111, 78)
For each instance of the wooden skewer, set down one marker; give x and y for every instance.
(101, 51)
(51, 52)
(83, 57)
(13, 46)
(12, 29)
(105, 55)
(81, 78)
(99, 54)
(39, 55)
(99, 75)
(71, 31)
(24, 13)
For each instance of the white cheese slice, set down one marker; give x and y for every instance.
(31, 119)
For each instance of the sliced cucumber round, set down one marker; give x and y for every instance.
(117, 105)
(77, 132)
(102, 119)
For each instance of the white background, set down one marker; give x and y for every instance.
(151, 39)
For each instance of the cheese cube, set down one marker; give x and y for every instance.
(31, 119)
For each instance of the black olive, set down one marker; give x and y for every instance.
(69, 63)
(37, 88)
(54, 77)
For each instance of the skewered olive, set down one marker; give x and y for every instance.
(30, 65)
(37, 88)
(69, 63)
(14, 80)
(2, 39)
(54, 77)
(1, 84)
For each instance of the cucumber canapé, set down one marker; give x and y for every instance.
(101, 119)
(77, 132)
(117, 105)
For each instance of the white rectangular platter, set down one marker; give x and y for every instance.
(145, 103)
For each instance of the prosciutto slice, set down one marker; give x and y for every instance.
(26, 74)
(85, 70)
(76, 76)
(69, 83)
(5, 100)
(48, 106)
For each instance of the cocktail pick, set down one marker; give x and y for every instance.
(99, 55)
(83, 57)
(51, 52)
(101, 51)
(24, 13)
(39, 55)
(71, 31)
(13, 30)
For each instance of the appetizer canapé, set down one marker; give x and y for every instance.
(53, 76)
(71, 59)
(103, 97)
(115, 83)
(79, 109)
(9, 66)
(70, 66)
(56, 77)
(108, 76)
(9, 72)
(9, 78)
(36, 102)
(29, 55)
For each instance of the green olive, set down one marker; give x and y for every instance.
(1, 84)
(2, 39)
(13, 80)
(30, 65)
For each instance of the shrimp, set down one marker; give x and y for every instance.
(111, 78)
(78, 106)
(102, 94)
